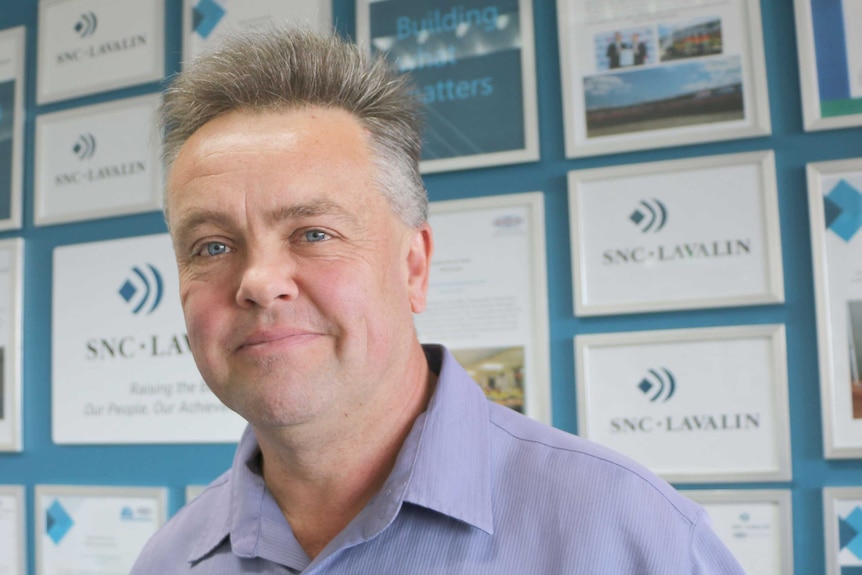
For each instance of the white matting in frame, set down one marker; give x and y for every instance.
(842, 529)
(97, 162)
(835, 208)
(693, 405)
(830, 63)
(13, 538)
(679, 234)
(12, 72)
(755, 524)
(205, 21)
(487, 296)
(94, 529)
(636, 75)
(473, 65)
(11, 270)
(90, 46)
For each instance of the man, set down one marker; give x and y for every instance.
(614, 51)
(298, 217)
(640, 51)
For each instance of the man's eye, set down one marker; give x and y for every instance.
(316, 235)
(213, 249)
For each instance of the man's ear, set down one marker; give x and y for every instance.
(419, 266)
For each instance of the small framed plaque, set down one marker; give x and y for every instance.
(13, 539)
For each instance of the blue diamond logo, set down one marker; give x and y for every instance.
(843, 209)
(57, 522)
(637, 216)
(645, 386)
(127, 292)
(206, 16)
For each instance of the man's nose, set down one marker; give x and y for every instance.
(268, 276)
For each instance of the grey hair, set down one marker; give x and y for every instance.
(290, 69)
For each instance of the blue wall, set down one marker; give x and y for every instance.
(179, 465)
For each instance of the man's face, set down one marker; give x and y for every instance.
(297, 281)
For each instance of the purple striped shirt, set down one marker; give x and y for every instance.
(476, 489)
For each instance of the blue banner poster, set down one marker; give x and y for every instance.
(837, 45)
(466, 60)
(7, 146)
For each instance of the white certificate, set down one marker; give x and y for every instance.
(487, 296)
(205, 21)
(678, 234)
(693, 405)
(97, 162)
(11, 125)
(94, 530)
(88, 46)
(122, 370)
(12, 533)
(11, 265)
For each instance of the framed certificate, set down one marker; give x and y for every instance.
(842, 528)
(473, 66)
(756, 525)
(205, 21)
(835, 207)
(13, 539)
(678, 234)
(693, 405)
(11, 271)
(642, 75)
(830, 63)
(91, 46)
(11, 125)
(116, 316)
(97, 162)
(88, 529)
(487, 296)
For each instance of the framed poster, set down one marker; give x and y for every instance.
(91, 46)
(122, 368)
(835, 208)
(693, 405)
(842, 529)
(205, 21)
(11, 271)
(830, 62)
(88, 529)
(642, 75)
(12, 80)
(13, 538)
(678, 234)
(756, 525)
(473, 67)
(97, 162)
(487, 296)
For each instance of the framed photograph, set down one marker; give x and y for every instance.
(835, 208)
(117, 315)
(756, 525)
(205, 21)
(91, 46)
(639, 75)
(97, 162)
(11, 306)
(487, 296)
(13, 538)
(12, 81)
(706, 405)
(89, 529)
(473, 66)
(679, 234)
(830, 63)
(842, 529)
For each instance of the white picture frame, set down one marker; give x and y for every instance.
(115, 521)
(97, 161)
(728, 421)
(633, 79)
(841, 504)
(677, 234)
(755, 524)
(13, 534)
(12, 80)
(11, 312)
(208, 21)
(91, 46)
(831, 100)
(471, 120)
(837, 265)
(478, 242)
